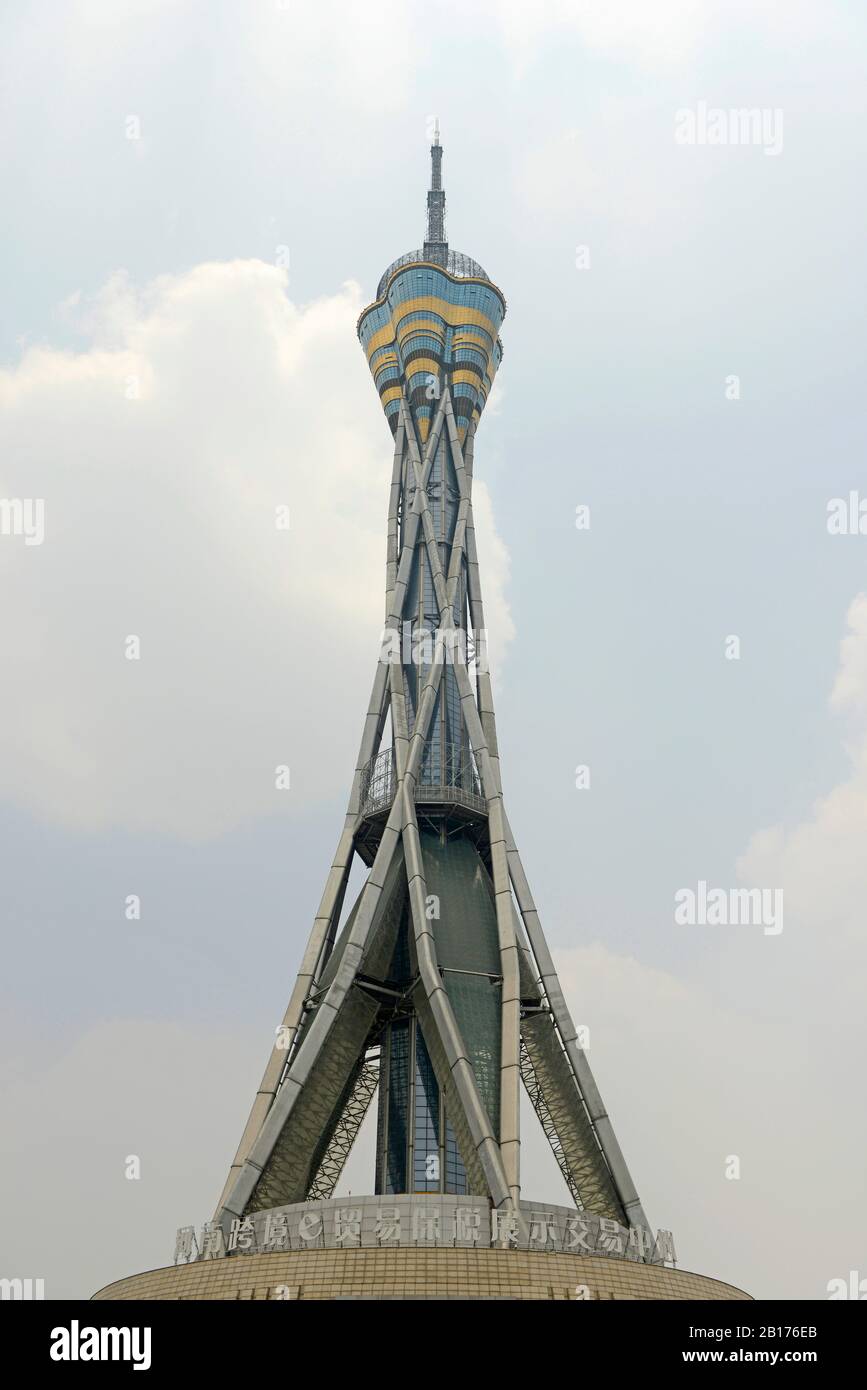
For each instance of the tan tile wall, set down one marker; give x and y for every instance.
(417, 1273)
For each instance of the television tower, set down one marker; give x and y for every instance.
(438, 990)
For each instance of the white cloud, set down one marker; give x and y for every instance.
(850, 687)
(200, 405)
(751, 1053)
(664, 35)
(691, 1081)
(821, 863)
(147, 1088)
(369, 53)
(649, 32)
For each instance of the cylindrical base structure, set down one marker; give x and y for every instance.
(406, 1272)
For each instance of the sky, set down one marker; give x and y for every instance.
(199, 200)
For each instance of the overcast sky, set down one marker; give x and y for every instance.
(198, 200)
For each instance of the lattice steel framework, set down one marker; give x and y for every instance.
(426, 812)
(536, 1092)
(344, 1136)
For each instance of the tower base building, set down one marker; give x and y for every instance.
(422, 1248)
(418, 1274)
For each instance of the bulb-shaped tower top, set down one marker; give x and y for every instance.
(435, 320)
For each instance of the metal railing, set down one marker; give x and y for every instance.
(450, 778)
(378, 782)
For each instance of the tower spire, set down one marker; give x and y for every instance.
(436, 248)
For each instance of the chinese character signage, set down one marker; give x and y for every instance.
(428, 1220)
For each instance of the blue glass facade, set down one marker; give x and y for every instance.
(416, 1148)
(426, 1123)
(398, 1101)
